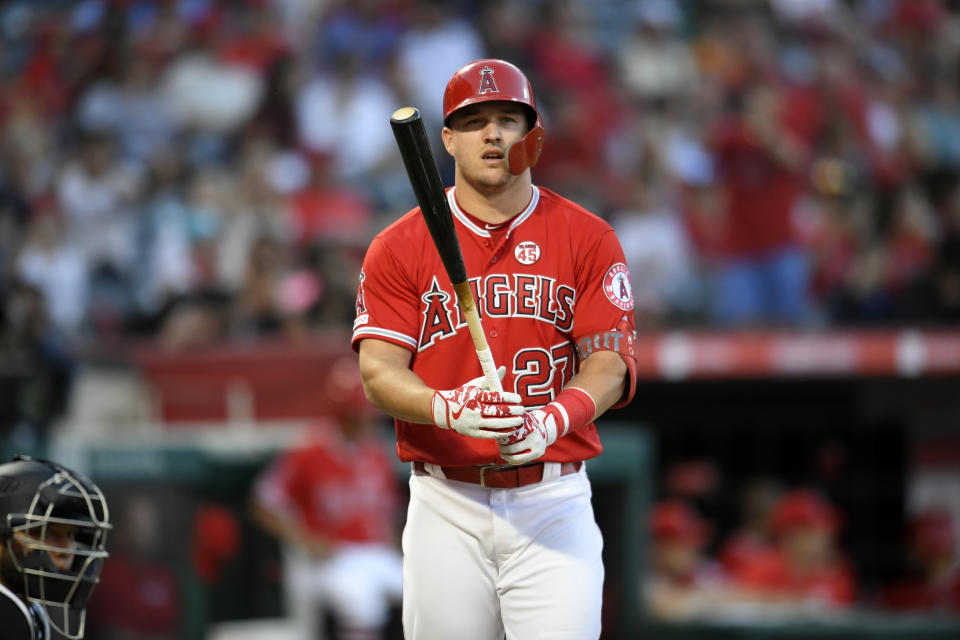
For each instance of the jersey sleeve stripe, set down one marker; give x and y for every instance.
(393, 336)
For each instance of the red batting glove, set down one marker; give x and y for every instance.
(572, 409)
(472, 410)
(530, 441)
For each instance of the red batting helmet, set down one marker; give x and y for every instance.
(675, 520)
(487, 80)
(803, 508)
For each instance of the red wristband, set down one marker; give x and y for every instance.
(573, 408)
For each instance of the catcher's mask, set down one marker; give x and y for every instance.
(488, 80)
(53, 527)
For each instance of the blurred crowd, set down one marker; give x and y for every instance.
(194, 169)
(188, 171)
(785, 560)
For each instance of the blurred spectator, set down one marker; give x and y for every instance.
(752, 537)
(658, 252)
(138, 595)
(96, 192)
(804, 573)
(436, 43)
(808, 14)
(684, 584)
(937, 293)
(656, 63)
(215, 540)
(339, 267)
(326, 209)
(276, 115)
(575, 86)
(49, 262)
(934, 124)
(371, 29)
(32, 152)
(14, 214)
(762, 277)
(197, 319)
(130, 106)
(505, 26)
(253, 39)
(332, 502)
(834, 228)
(166, 267)
(256, 308)
(38, 367)
(250, 208)
(932, 583)
(299, 297)
(343, 111)
(207, 94)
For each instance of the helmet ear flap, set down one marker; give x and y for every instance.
(524, 153)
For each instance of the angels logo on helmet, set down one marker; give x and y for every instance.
(487, 83)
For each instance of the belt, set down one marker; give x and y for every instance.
(500, 477)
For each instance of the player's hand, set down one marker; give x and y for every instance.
(531, 439)
(476, 411)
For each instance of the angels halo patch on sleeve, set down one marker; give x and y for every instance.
(616, 286)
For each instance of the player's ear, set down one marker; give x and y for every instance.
(447, 136)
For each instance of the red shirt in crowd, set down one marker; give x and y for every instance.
(760, 192)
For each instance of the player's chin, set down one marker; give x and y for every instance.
(491, 178)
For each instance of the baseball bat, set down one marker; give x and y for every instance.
(424, 177)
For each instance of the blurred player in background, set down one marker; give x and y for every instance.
(333, 502)
(53, 530)
(804, 572)
(684, 583)
(500, 534)
(138, 595)
(933, 580)
(751, 538)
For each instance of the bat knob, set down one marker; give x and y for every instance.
(405, 113)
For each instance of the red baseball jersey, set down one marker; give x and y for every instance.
(551, 275)
(341, 490)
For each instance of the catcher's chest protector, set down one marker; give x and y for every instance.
(21, 620)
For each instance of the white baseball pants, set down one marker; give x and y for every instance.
(483, 563)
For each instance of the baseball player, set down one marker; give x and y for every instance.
(332, 501)
(53, 529)
(500, 537)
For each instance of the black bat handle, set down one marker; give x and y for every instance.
(424, 177)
